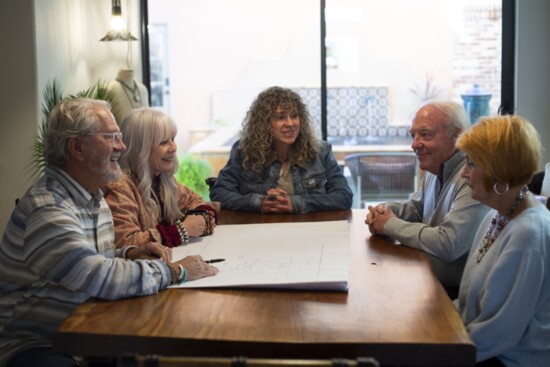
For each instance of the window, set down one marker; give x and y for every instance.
(382, 59)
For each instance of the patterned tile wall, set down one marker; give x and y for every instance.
(353, 113)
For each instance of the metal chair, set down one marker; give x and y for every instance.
(535, 186)
(210, 181)
(383, 175)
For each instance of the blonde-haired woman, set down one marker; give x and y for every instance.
(504, 297)
(279, 165)
(148, 204)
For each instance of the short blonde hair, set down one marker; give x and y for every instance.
(506, 149)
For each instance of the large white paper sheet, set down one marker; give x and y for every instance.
(305, 255)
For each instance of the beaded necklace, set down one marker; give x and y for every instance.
(497, 224)
(136, 93)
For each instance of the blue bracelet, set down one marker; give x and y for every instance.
(183, 274)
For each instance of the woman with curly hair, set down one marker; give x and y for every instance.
(147, 203)
(279, 165)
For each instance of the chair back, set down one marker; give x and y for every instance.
(383, 175)
(210, 181)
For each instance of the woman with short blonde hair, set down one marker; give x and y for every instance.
(503, 298)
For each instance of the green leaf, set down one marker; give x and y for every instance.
(192, 172)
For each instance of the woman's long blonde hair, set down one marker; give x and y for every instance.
(257, 140)
(143, 129)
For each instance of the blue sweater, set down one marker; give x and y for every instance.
(504, 300)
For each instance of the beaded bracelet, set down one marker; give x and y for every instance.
(206, 215)
(184, 236)
(208, 224)
(173, 274)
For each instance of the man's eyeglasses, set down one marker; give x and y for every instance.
(114, 137)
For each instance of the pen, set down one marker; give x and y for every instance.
(214, 261)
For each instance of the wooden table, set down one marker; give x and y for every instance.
(395, 311)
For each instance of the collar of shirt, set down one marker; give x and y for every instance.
(450, 166)
(77, 192)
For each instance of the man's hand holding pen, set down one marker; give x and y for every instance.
(277, 201)
(197, 268)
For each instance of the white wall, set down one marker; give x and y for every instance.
(68, 47)
(533, 66)
(18, 100)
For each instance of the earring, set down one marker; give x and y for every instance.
(501, 193)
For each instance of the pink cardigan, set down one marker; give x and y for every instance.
(130, 216)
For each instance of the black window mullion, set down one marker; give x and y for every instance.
(324, 122)
(145, 64)
(507, 86)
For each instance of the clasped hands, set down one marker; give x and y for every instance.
(277, 201)
(377, 217)
(194, 264)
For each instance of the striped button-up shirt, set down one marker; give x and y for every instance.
(57, 251)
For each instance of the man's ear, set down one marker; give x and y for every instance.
(75, 148)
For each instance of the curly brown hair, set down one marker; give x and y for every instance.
(256, 138)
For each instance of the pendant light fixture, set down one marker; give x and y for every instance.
(118, 31)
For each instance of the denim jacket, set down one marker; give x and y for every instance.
(318, 187)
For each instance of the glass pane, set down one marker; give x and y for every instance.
(386, 57)
(159, 71)
(223, 53)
